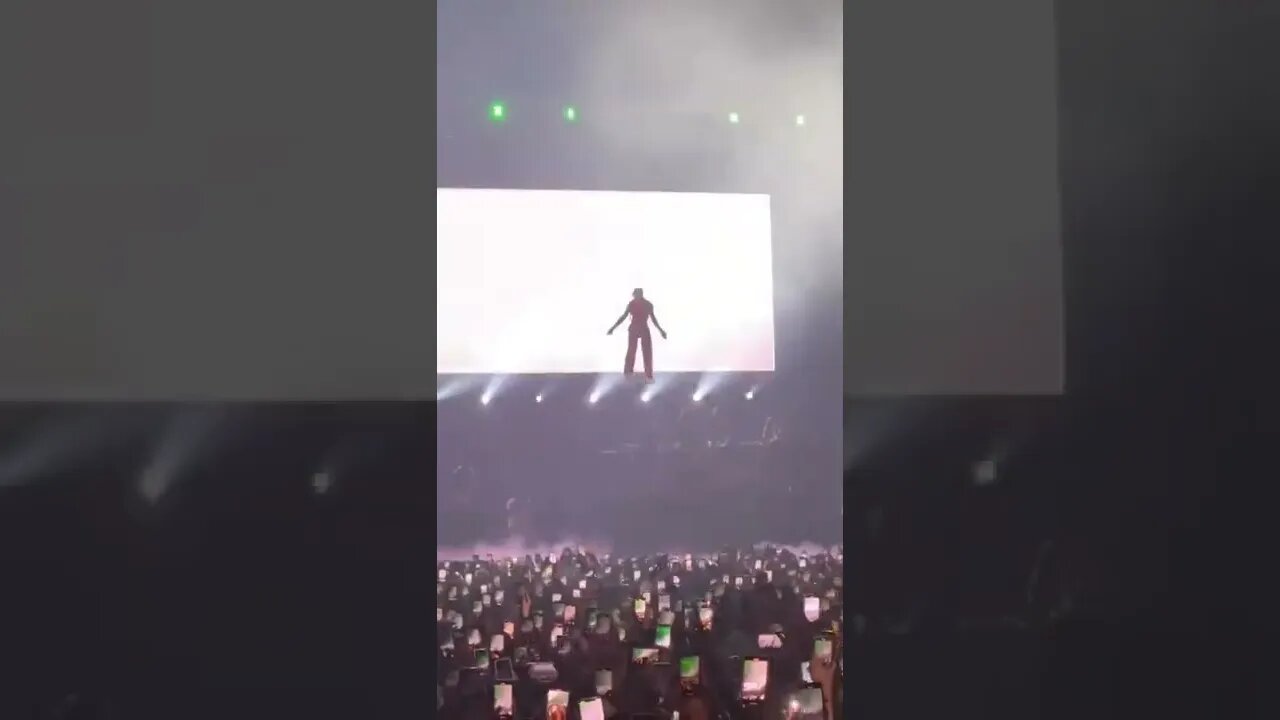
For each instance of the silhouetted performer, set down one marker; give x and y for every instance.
(641, 312)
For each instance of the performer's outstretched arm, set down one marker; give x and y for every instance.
(621, 318)
(654, 317)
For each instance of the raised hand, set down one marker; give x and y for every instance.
(823, 670)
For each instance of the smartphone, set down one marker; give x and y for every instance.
(442, 574)
(486, 600)
(557, 698)
(664, 602)
(666, 617)
(577, 594)
(555, 598)
(822, 649)
(570, 613)
(482, 659)
(467, 578)
(604, 681)
(640, 607)
(439, 614)
(755, 679)
(503, 672)
(591, 709)
(509, 629)
(689, 668)
(806, 677)
(498, 596)
(769, 641)
(705, 615)
(498, 643)
(663, 637)
(642, 655)
(477, 607)
(737, 582)
(806, 704)
(556, 632)
(473, 638)
(504, 699)
(662, 585)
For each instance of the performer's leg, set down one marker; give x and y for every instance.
(646, 347)
(629, 366)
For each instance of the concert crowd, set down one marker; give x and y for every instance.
(754, 633)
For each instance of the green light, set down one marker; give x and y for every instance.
(497, 112)
(733, 118)
(800, 120)
(571, 114)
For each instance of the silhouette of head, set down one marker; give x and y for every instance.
(638, 293)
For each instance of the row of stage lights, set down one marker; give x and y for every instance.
(500, 113)
(486, 398)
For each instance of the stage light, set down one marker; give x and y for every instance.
(646, 397)
(498, 112)
(571, 114)
(538, 399)
(733, 118)
(750, 394)
(594, 398)
(800, 121)
(484, 399)
(697, 397)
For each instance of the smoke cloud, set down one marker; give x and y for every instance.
(686, 66)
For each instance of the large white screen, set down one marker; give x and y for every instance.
(529, 280)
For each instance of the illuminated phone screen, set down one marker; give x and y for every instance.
(663, 636)
(755, 679)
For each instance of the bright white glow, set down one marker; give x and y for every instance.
(646, 397)
(529, 280)
(750, 394)
(594, 398)
(538, 399)
(484, 399)
(708, 384)
(454, 386)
